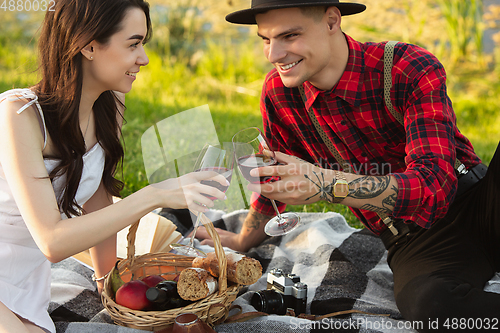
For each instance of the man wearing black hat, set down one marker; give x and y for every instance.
(408, 174)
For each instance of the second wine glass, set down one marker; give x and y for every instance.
(252, 151)
(221, 161)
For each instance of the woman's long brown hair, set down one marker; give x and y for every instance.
(65, 32)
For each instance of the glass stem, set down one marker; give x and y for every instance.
(276, 209)
(196, 225)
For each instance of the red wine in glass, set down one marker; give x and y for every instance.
(253, 151)
(249, 162)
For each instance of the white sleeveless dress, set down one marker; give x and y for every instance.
(24, 270)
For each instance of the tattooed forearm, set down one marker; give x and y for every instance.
(324, 188)
(368, 187)
(376, 209)
(390, 201)
(254, 220)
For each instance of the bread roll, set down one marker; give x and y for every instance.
(195, 284)
(240, 269)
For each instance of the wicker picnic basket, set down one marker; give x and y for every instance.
(212, 309)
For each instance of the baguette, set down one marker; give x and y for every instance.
(195, 284)
(240, 269)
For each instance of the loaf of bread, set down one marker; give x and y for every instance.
(195, 284)
(240, 269)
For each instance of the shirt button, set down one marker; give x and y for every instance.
(343, 122)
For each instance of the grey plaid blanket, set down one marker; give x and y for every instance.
(344, 269)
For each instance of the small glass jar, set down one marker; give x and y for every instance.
(190, 323)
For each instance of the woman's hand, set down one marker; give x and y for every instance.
(188, 191)
(300, 182)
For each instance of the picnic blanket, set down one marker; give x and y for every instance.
(344, 269)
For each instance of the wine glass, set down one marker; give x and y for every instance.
(252, 151)
(221, 161)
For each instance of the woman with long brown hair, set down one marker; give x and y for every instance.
(60, 149)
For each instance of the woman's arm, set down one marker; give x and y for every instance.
(104, 254)
(22, 161)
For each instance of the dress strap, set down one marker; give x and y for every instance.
(19, 94)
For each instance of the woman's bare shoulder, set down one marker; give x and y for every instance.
(15, 123)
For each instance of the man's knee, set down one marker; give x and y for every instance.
(425, 299)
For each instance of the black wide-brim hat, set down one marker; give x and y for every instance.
(247, 16)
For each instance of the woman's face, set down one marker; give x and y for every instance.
(114, 65)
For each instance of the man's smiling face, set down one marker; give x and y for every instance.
(296, 44)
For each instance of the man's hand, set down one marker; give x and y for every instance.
(251, 234)
(299, 183)
(227, 238)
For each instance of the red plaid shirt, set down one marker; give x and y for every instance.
(354, 116)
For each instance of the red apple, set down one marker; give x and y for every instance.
(133, 295)
(152, 280)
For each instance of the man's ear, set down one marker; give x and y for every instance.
(334, 18)
(88, 51)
